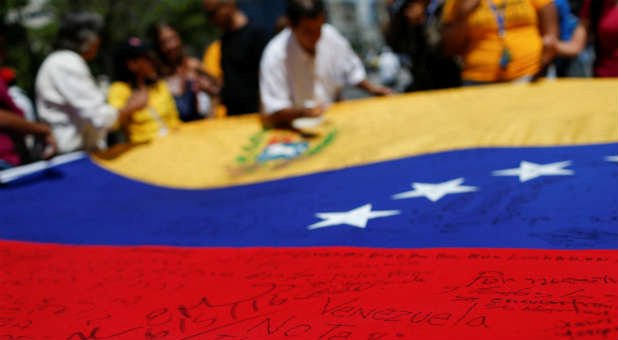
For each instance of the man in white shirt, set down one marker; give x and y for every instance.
(304, 68)
(67, 97)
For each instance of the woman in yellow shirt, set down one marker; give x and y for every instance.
(137, 78)
(500, 40)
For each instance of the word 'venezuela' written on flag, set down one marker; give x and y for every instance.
(478, 213)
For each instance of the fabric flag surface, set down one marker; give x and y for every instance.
(478, 213)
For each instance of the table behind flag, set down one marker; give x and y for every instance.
(471, 213)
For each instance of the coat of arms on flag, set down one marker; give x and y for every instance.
(278, 148)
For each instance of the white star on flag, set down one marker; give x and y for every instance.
(356, 217)
(436, 191)
(612, 158)
(528, 170)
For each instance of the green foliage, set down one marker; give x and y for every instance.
(5, 5)
(27, 47)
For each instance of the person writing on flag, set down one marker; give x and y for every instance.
(305, 66)
(500, 40)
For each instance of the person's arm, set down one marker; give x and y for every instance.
(573, 47)
(277, 106)
(585, 21)
(288, 115)
(203, 81)
(72, 78)
(548, 28)
(15, 123)
(375, 89)
(127, 101)
(137, 101)
(585, 16)
(455, 30)
(353, 67)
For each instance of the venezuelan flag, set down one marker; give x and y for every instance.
(477, 213)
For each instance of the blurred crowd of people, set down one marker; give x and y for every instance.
(295, 74)
(450, 43)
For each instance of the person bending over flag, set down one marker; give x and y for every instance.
(67, 96)
(305, 66)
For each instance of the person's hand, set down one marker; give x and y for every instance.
(550, 48)
(379, 90)
(51, 147)
(138, 100)
(202, 80)
(207, 84)
(375, 89)
(313, 112)
(45, 136)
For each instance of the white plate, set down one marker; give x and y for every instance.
(308, 122)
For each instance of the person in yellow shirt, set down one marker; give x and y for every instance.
(500, 40)
(136, 77)
(211, 62)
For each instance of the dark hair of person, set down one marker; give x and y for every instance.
(130, 50)
(299, 9)
(121, 70)
(163, 65)
(78, 30)
(153, 33)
